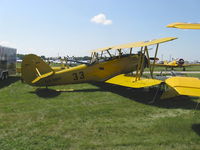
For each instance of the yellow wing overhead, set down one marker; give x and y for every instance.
(145, 43)
(136, 44)
(102, 49)
(182, 25)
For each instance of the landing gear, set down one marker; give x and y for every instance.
(4, 76)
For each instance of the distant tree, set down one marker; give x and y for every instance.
(20, 56)
(86, 58)
(43, 57)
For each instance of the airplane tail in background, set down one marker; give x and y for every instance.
(165, 62)
(34, 69)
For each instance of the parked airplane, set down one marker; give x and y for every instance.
(102, 66)
(109, 67)
(180, 63)
(182, 25)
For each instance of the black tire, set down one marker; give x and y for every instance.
(6, 75)
(2, 77)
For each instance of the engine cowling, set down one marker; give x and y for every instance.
(180, 62)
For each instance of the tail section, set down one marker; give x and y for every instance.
(34, 69)
(165, 62)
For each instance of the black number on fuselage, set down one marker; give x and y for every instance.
(81, 75)
(77, 76)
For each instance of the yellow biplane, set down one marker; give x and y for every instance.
(180, 63)
(110, 65)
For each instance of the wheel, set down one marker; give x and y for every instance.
(2, 77)
(6, 75)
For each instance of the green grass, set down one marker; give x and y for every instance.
(94, 116)
(193, 75)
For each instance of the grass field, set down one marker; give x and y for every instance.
(94, 116)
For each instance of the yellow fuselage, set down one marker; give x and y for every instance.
(100, 71)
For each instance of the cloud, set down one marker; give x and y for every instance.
(101, 19)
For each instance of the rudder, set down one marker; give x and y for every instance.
(33, 68)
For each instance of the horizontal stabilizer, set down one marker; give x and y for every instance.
(42, 76)
(129, 81)
(185, 85)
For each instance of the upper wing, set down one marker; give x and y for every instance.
(136, 44)
(145, 43)
(184, 25)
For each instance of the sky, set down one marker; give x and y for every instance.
(75, 27)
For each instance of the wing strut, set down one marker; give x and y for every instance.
(109, 53)
(154, 61)
(131, 50)
(140, 65)
(148, 58)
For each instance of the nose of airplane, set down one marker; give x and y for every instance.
(181, 61)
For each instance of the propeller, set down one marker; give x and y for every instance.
(180, 61)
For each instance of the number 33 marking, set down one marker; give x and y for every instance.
(77, 76)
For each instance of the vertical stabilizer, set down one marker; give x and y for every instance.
(34, 69)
